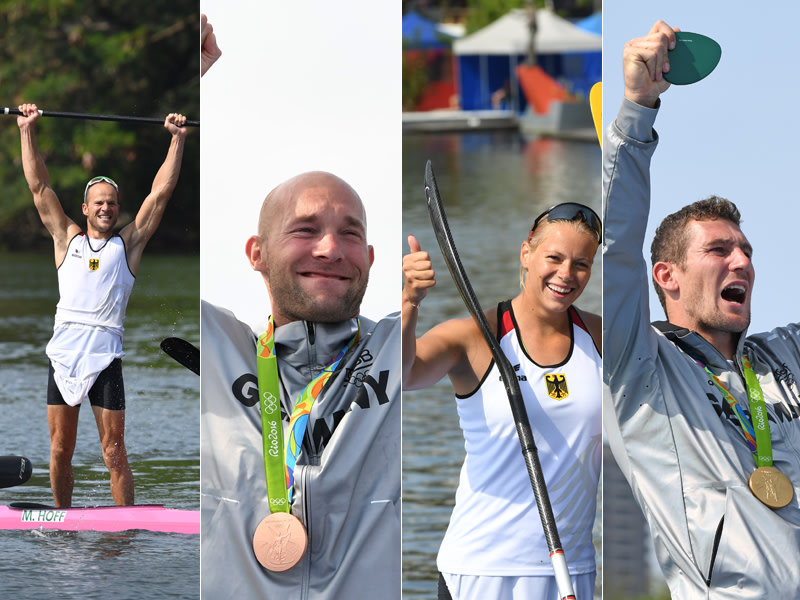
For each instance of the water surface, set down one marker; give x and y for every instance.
(162, 438)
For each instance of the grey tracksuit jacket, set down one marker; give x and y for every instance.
(676, 440)
(347, 480)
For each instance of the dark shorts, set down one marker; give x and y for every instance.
(443, 592)
(108, 390)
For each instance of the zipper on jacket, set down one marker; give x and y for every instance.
(717, 537)
(301, 473)
(311, 358)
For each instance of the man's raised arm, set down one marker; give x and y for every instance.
(628, 147)
(61, 227)
(138, 233)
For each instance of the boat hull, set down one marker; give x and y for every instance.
(153, 517)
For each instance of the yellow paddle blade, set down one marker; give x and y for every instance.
(596, 102)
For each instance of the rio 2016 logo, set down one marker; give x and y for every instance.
(269, 403)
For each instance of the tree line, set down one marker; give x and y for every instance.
(120, 57)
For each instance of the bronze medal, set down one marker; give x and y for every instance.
(280, 541)
(771, 486)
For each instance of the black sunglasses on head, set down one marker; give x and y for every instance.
(571, 211)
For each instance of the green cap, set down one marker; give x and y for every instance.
(693, 58)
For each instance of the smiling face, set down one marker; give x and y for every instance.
(101, 209)
(558, 265)
(312, 250)
(711, 291)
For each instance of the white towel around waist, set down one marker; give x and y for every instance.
(79, 353)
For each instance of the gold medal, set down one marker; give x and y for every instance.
(771, 486)
(280, 541)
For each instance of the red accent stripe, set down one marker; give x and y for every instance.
(576, 319)
(506, 324)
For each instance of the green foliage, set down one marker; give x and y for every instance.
(483, 12)
(120, 57)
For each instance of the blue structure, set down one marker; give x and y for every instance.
(420, 33)
(592, 24)
(488, 58)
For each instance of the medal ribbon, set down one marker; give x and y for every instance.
(758, 414)
(758, 438)
(271, 424)
(280, 460)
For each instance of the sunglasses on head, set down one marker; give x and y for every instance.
(571, 211)
(100, 179)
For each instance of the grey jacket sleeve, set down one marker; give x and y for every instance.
(628, 146)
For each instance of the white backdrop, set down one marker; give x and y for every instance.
(302, 85)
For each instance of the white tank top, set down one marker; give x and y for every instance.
(495, 527)
(94, 283)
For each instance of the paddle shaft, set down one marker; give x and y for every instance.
(516, 401)
(96, 117)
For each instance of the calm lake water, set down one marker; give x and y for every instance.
(493, 185)
(162, 437)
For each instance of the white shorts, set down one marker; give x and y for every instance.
(477, 587)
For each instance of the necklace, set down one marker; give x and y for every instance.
(94, 263)
(89, 241)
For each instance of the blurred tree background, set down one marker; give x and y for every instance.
(120, 57)
(422, 66)
(476, 14)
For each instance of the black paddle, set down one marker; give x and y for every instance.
(14, 470)
(520, 414)
(183, 352)
(96, 117)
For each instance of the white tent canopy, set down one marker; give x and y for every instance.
(510, 35)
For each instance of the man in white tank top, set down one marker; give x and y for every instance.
(96, 271)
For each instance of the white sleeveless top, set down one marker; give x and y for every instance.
(94, 287)
(495, 527)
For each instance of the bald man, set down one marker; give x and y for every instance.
(311, 250)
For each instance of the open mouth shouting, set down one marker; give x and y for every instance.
(735, 293)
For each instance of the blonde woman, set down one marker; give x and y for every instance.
(494, 546)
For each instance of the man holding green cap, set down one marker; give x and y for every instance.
(96, 272)
(701, 417)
